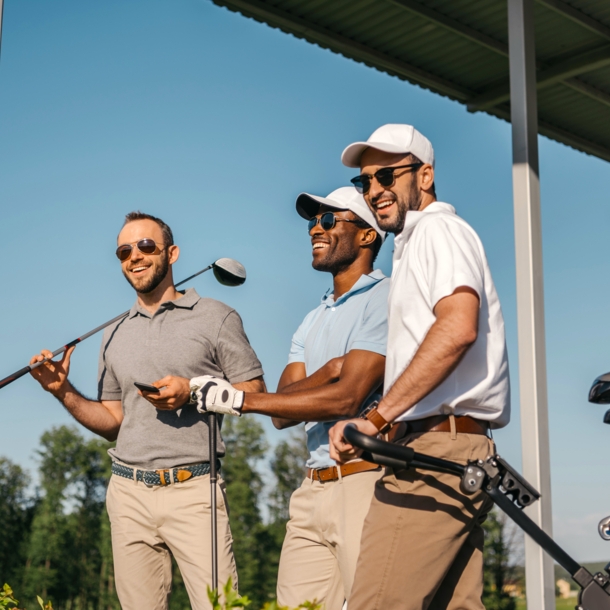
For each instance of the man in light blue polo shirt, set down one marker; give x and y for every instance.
(335, 368)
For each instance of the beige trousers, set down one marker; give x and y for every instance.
(149, 523)
(422, 542)
(320, 550)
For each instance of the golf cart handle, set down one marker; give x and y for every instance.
(397, 456)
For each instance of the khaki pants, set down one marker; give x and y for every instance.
(422, 542)
(320, 550)
(149, 523)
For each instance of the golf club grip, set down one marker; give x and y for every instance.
(16, 375)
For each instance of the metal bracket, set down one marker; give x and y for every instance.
(495, 472)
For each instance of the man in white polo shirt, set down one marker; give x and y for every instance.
(446, 377)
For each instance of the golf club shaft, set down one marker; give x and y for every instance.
(212, 424)
(26, 369)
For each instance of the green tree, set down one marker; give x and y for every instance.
(246, 447)
(68, 556)
(497, 567)
(16, 512)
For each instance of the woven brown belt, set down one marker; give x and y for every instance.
(442, 423)
(332, 473)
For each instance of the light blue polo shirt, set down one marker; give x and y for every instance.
(357, 320)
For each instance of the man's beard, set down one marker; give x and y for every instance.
(396, 223)
(157, 277)
(340, 258)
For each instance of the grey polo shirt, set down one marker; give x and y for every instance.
(188, 337)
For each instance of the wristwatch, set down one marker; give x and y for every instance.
(378, 420)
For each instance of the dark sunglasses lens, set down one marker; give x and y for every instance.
(327, 221)
(311, 224)
(147, 246)
(362, 183)
(385, 176)
(123, 252)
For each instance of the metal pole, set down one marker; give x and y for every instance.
(539, 575)
(213, 427)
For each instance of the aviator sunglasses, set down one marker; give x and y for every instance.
(385, 177)
(328, 220)
(145, 246)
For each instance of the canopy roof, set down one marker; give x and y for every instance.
(459, 48)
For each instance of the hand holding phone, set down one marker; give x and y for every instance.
(145, 387)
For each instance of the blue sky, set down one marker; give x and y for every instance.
(215, 123)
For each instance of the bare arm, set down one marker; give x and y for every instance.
(294, 379)
(449, 338)
(361, 374)
(256, 385)
(103, 418)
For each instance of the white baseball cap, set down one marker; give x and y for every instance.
(344, 198)
(391, 138)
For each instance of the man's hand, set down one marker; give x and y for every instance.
(175, 393)
(217, 395)
(340, 450)
(52, 375)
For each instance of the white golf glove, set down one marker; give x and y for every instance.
(216, 395)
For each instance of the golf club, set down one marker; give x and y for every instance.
(226, 270)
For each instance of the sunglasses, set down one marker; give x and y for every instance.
(145, 246)
(385, 177)
(327, 221)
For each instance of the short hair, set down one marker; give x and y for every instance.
(415, 159)
(168, 236)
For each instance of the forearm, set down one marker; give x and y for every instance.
(320, 404)
(323, 376)
(91, 414)
(435, 360)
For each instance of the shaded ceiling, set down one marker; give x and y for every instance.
(459, 48)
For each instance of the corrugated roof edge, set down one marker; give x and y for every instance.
(299, 28)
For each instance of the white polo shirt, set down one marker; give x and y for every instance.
(436, 253)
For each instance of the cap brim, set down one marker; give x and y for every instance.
(352, 154)
(308, 205)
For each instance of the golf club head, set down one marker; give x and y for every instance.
(600, 390)
(229, 272)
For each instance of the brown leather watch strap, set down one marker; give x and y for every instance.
(378, 420)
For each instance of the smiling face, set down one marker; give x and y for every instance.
(338, 248)
(410, 191)
(145, 272)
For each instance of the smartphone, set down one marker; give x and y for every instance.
(145, 387)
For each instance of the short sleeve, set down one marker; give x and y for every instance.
(108, 387)
(234, 353)
(450, 256)
(297, 347)
(372, 335)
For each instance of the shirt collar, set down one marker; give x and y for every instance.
(364, 282)
(187, 301)
(413, 217)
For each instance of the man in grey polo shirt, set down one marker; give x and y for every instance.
(335, 368)
(159, 499)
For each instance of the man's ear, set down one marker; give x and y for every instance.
(426, 177)
(368, 237)
(174, 254)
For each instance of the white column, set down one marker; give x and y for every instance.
(539, 577)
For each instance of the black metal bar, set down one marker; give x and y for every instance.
(533, 531)
(212, 424)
